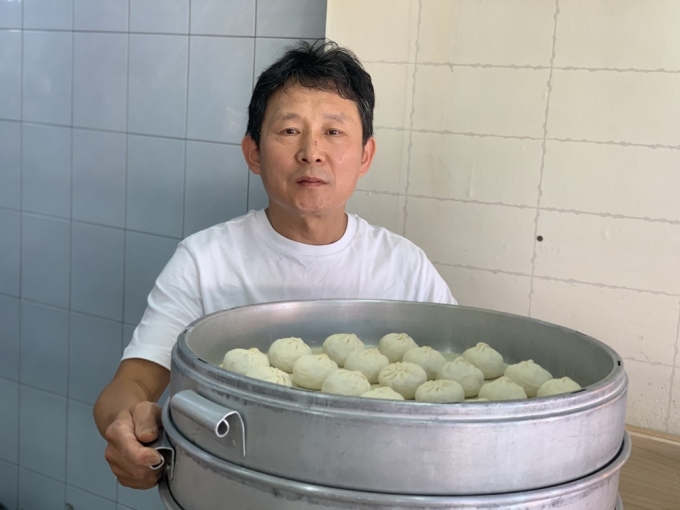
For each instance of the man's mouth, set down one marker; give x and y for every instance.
(310, 181)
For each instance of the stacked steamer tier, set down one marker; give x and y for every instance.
(258, 445)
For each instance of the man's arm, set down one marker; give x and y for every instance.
(127, 416)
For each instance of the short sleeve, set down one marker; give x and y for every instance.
(174, 302)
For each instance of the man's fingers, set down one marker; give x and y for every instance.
(147, 420)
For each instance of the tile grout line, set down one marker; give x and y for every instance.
(21, 243)
(411, 115)
(676, 355)
(252, 86)
(543, 152)
(186, 124)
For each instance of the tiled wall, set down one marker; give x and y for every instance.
(499, 122)
(119, 129)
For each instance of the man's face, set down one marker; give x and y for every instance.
(311, 152)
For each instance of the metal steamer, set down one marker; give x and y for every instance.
(233, 439)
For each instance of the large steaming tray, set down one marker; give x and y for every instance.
(392, 446)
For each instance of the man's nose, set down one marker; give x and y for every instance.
(311, 149)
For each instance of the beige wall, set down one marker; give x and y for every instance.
(499, 121)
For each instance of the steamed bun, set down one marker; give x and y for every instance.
(284, 352)
(404, 378)
(383, 393)
(310, 371)
(367, 361)
(426, 357)
(440, 391)
(502, 389)
(528, 375)
(464, 373)
(395, 345)
(557, 386)
(340, 345)
(346, 382)
(488, 360)
(269, 374)
(239, 360)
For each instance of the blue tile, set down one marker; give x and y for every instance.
(50, 14)
(128, 330)
(291, 18)
(9, 338)
(99, 177)
(140, 500)
(267, 50)
(47, 169)
(48, 61)
(42, 445)
(101, 15)
(9, 252)
(94, 356)
(100, 81)
(162, 16)
(37, 492)
(86, 467)
(9, 421)
(257, 196)
(10, 73)
(223, 17)
(145, 258)
(97, 270)
(158, 84)
(9, 478)
(220, 84)
(45, 246)
(155, 185)
(10, 14)
(44, 347)
(10, 158)
(216, 185)
(81, 500)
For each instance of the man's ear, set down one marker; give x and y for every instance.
(367, 156)
(251, 153)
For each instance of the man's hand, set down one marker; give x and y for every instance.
(129, 459)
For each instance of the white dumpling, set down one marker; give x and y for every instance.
(269, 374)
(488, 360)
(502, 389)
(395, 345)
(557, 386)
(464, 373)
(440, 391)
(346, 382)
(528, 375)
(239, 360)
(340, 345)
(367, 361)
(426, 357)
(383, 393)
(404, 378)
(310, 371)
(284, 352)
(476, 400)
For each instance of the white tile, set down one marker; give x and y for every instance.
(477, 235)
(304, 19)
(10, 14)
(487, 32)
(371, 35)
(379, 209)
(393, 84)
(164, 16)
(614, 179)
(485, 289)
(674, 414)
(390, 164)
(48, 14)
(635, 324)
(488, 169)
(223, 17)
(101, 15)
(481, 100)
(648, 394)
(269, 49)
(10, 73)
(642, 108)
(630, 253)
(623, 34)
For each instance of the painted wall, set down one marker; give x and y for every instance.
(532, 148)
(119, 129)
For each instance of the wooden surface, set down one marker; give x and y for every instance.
(650, 480)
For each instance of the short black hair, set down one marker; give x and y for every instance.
(320, 66)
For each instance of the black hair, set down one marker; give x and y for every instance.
(320, 66)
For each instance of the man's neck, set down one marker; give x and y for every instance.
(316, 230)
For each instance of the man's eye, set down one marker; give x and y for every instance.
(333, 132)
(290, 131)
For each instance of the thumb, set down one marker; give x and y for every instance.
(147, 419)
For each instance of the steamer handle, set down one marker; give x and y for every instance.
(226, 424)
(166, 451)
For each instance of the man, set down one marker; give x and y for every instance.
(310, 138)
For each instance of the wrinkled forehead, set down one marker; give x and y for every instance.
(294, 101)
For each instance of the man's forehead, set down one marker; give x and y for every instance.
(294, 101)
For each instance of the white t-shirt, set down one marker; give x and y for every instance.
(245, 261)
